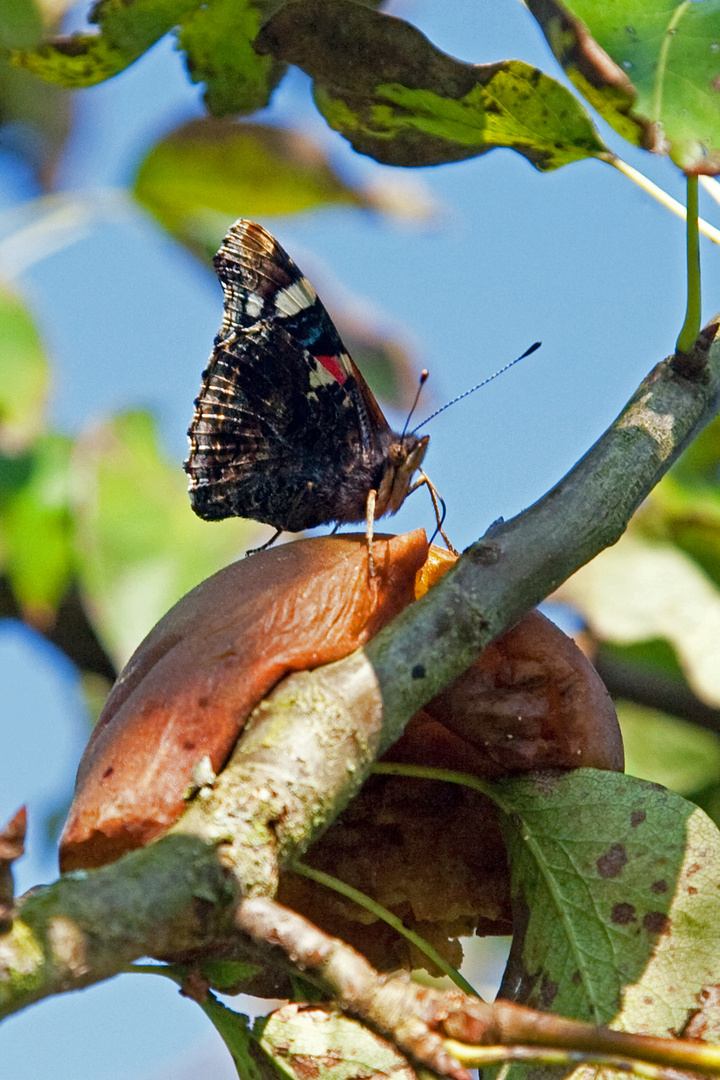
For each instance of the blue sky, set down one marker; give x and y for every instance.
(579, 259)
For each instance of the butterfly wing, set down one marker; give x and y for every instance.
(285, 430)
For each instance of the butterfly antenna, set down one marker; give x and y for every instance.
(424, 374)
(472, 390)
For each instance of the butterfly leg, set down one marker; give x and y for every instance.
(370, 528)
(437, 503)
(265, 546)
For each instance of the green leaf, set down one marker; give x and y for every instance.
(127, 29)
(687, 515)
(39, 112)
(228, 976)
(668, 751)
(387, 89)
(20, 24)
(655, 77)
(218, 39)
(234, 1028)
(685, 506)
(36, 546)
(140, 547)
(614, 882)
(207, 172)
(24, 375)
(640, 590)
(698, 465)
(238, 1036)
(338, 1048)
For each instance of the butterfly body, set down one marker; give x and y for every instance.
(286, 430)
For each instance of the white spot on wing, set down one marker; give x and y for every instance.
(320, 376)
(253, 305)
(295, 297)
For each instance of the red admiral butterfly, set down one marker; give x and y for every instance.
(286, 430)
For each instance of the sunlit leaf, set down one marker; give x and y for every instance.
(216, 36)
(655, 77)
(685, 506)
(36, 548)
(396, 97)
(24, 375)
(35, 117)
(218, 39)
(208, 172)
(338, 1047)
(667, 750)
(640, 590)
(126, 30)
(140, 546)
(615, 889)
(20, 24)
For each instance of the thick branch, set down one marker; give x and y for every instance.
(303, 758)
(520, 562)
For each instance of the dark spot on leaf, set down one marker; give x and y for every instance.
(203, 702)
(548, 993)
(622, 914)
(418, 671)
(656, 922)
(659, 886)
(304, 1066)
(77, 45)
(716, 83)
(700, 1022)
(108, 772)
(546, 783)
(613, 862)
(637, 817)
(188, 745)
(692, 891)
(576, 978)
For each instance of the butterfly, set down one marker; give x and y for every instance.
(286, 431)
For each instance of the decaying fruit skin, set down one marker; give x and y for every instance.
(187, 690)
(433, 852)
(430, 851)
(531, 701)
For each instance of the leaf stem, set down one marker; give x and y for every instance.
(662, 196)
(381, 912)
(691, 326)
(476, 1057)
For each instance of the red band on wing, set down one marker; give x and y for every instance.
(331, 364)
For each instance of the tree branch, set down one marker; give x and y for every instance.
(308, 749)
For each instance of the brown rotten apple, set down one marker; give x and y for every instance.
(429, 851)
